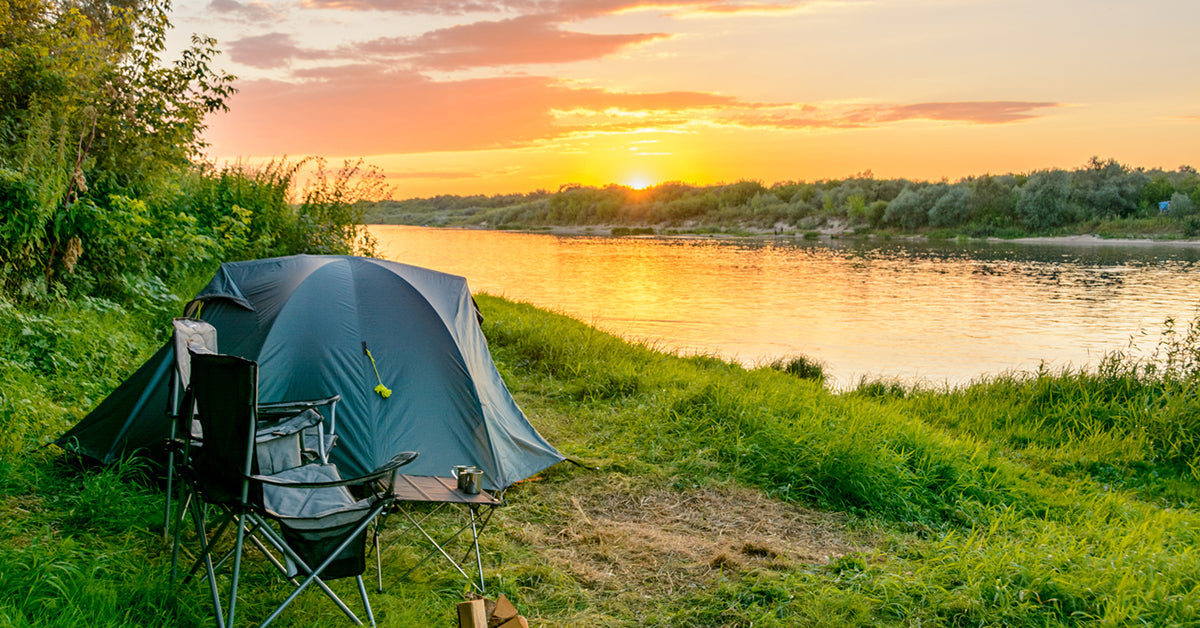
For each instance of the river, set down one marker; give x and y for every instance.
(942, 312)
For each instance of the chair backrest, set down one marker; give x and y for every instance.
(225, 389)
(188, 333)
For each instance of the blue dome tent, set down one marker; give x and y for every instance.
(309, 321)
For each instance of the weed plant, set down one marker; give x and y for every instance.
(801, 366)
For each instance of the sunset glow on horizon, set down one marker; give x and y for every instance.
(467, 97)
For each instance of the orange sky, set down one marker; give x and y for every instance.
(470, 96)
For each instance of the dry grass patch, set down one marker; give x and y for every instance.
(621, 538)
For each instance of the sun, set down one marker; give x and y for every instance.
(638, 182)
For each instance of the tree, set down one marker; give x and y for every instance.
(951, 210)
(1044, 202)
(1106, 188)
(1158, 189)
(993, 200)
(89, 114)
(1182, 205)
(740, 193)
(910, 210)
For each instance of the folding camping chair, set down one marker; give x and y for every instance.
(192, 334)
(259, 477)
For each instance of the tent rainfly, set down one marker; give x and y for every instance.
(309, 321)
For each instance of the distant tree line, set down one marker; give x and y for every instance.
(1101, 195)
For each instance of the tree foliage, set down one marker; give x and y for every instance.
(92, 119)
(101, 188)
(1045, 200)
(1040, 202)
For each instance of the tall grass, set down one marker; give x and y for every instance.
(1049, 499)
(994, 537)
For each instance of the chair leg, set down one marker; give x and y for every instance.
(281, 545)
(315, 574)
(237, 568)
(167, 506)
(206, 558)
(378, 558)
(184, 503)
(362, 591)
(206, 543)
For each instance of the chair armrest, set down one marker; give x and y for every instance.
(285, 406)
(384, 470)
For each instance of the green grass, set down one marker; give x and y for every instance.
(1043, 499)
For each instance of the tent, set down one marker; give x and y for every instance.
(309, 322)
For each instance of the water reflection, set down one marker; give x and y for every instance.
(940, 311)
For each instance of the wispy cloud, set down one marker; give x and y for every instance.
(432, 174)
(718, 9)
(567, 10)
(248, 12)
(273, 50)
(796, 116)
(537, 32)
(979, 112)
(366, 110)
(522, 40)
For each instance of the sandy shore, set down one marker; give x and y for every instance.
(1091, 240)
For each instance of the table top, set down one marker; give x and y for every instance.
(432, 488)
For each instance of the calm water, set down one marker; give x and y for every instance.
(936, 312)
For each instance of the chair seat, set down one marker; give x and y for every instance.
(316, 520)
(312, 507)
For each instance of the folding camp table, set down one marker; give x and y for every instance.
(443, 491)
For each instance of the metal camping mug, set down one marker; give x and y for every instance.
(470, 479)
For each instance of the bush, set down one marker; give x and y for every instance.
(1182, 205)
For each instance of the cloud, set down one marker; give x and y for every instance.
(535, 36)
(834, 116)
(565, 10)
(979, 112)
(432, 174)
(253, 12)
(367, 110)
(273, 50)
(521, 40)
(718, 9)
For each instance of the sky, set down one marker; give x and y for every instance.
(475, 97)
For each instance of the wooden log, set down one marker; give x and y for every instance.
(502, 612)
(472, 614)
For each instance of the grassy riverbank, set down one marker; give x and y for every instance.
(723, 497)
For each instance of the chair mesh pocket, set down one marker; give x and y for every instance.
(314, 546)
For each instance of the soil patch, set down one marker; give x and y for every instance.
(658, 541)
